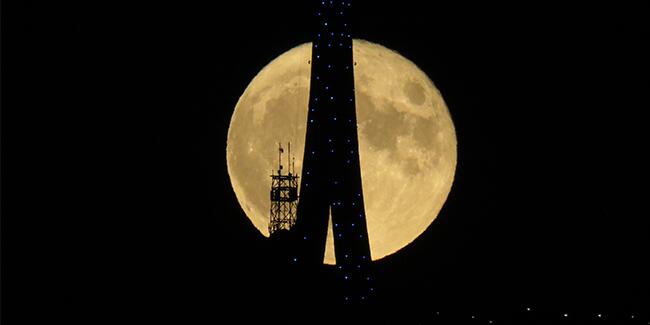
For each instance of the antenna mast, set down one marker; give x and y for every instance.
(284, 196)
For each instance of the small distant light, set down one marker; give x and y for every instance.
(295, 259)
(566, 315)
(528, 309)
(600, 315)
(325, 23)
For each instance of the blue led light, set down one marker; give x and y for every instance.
(316, 45)
(331, 97)
(345, 277)
(325, 23)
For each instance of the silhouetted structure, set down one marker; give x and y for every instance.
(284, 196)
(331, 177)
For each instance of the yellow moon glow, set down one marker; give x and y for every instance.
(407, 141)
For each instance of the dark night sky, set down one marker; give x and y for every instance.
(117, 203)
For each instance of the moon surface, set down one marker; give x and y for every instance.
(407, 141)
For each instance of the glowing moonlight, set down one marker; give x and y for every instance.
(406, 137)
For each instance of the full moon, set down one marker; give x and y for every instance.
(407, 141)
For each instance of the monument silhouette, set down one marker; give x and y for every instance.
(331, 174)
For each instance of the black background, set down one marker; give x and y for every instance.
(117, 204)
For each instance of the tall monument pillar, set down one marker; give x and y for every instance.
(331, 174)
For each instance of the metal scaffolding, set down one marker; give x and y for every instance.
(284, 195)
